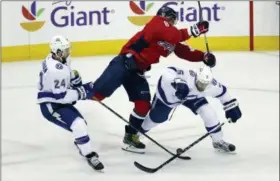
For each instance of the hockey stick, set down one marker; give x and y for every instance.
(147, 136)
(201, 19)
(179, 152)
(174, 109)
(173, 113)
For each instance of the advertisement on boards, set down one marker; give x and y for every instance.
(69, 14)
(186, 11)
(64, 14)
(37, 21)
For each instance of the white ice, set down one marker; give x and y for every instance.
(34, 149)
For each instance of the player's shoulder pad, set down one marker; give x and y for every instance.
(160, 22)
(55, 66)
(216, 83)
(192, 73)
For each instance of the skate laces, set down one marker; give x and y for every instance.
(222, 142)
(135, 138)
(94, 160)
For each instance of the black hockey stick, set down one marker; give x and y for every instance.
(179, 152)
(147, 136)
(201, 19)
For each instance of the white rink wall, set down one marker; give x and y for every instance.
(227, 19)
(98, 28)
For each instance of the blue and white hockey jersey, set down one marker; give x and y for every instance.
(166, 92)
(54, 83)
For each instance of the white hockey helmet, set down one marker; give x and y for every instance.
(203, 78)
(60, 46)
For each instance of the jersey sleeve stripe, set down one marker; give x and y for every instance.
(173, 68)
(223, 92)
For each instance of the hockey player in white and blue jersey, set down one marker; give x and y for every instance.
(59, 89)
(189, 88)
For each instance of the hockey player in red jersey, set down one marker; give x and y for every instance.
(158, 38)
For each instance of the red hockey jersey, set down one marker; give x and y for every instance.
(160, 38)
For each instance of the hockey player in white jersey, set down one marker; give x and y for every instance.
(189, 88)
(59, 89)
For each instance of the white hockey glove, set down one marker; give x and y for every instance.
(85, 91)
(199, 28)
(76, 79)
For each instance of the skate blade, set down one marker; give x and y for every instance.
(225, 152)
(100, 171)
(132, 149)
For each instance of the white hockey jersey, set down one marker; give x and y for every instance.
(54, 83)
(166, 92)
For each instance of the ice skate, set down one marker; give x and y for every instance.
(223, 146)
(93, 161)
(133, 144)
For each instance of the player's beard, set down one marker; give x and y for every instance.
(201, 86)
(63, 60)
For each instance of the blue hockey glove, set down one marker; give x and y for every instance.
(182, 89)
(85, 91)
(76, 79)
(232, 110)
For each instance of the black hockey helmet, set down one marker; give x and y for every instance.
(168, 13)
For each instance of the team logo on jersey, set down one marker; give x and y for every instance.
(32, 16)
(141, 10)
(59, 66)
(166, 46)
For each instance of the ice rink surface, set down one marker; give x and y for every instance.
(34, 149)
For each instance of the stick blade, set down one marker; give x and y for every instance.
(145, 169)
(185, 157)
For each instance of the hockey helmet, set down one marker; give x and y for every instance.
(60, 46)
(168, 13)
(204, 77)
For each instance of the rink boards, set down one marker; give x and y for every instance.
(101, 28)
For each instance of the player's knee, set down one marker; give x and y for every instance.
(79, 127)
(158, 117)
(160, 112)
(98, 97)
(196, 104)
(208, 115)
(141, 108)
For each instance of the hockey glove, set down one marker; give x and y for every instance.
(199, 28)
(182, 89)
(232, 110)
(85, 91)
(209, 59)
(76, 79)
